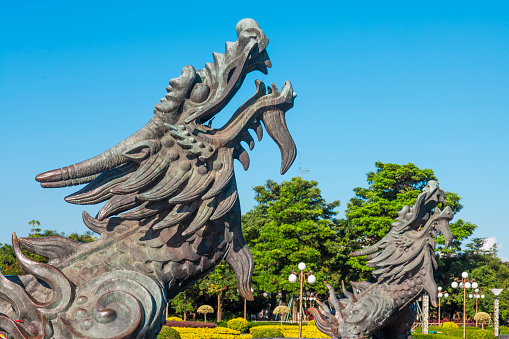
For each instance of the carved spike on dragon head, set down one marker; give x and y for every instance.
(404, 262)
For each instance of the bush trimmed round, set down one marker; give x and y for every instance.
(174, 319)
(238, 324)
(168, 333)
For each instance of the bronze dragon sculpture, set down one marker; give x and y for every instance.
(171, 215)
(404, 262)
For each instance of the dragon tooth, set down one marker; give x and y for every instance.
(275, 124)
(248, 139)
(275, 90)
(242, 155)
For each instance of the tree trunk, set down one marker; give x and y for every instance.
(219, 307)
(295, 310)
(272, 305)
(185, 306)
(205, 316)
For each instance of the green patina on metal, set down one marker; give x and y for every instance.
(404, 262)
(171, 213)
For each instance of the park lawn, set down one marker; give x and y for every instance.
(443, 333)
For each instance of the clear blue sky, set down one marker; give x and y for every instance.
(422, 82)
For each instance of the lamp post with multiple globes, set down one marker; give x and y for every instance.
(476, 295)
(441, 295)
(464, 284)
(293, 278)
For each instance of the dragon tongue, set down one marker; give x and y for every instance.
(275, 124)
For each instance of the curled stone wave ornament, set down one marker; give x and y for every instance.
(404, 262)
(171, 215)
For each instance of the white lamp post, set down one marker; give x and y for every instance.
(476, 295)
(464, 284)
(441, 294)
(293, 278)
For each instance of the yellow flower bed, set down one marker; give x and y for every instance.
(289, 331)
(207, 333)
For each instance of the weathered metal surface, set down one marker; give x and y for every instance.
(404, 262)
(171, 186)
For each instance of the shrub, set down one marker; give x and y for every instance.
(266, 332)
(481, 334)
(168, 333)
(503, 330)
(190, 324)
(311, 323)
(174, 319)
(238, 324)
(449, 324)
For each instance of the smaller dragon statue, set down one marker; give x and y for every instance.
(404, 262)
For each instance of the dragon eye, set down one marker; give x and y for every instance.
(200, 93)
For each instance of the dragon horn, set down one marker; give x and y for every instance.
(332, 298)
(348, 294)
(368, 250)
(87, 170)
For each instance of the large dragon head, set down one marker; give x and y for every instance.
(175, 175)
(194, 98)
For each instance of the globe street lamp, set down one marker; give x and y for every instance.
(464, 284)
(293, 278)
(441, 294)
(476, 295)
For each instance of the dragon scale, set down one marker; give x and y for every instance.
(404, 262)
(171, 211)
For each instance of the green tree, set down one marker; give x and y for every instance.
(486, 268)
(182, 304)
(222, 284)
(372, 210)
(292, 223)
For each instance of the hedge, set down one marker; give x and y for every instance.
(207, 333)
(191, 324)
(292, 331)
(168, 333)
(266, 332)
(238, 324)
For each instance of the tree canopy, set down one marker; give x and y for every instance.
(292, 223)
(372, 210)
